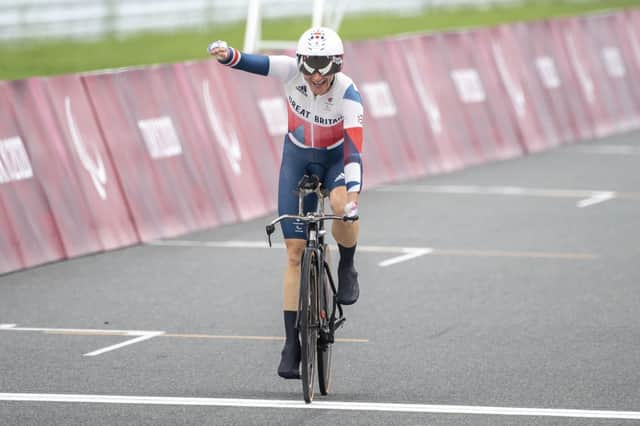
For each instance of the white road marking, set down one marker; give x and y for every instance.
(607, 149)
(267, 338)
(216, 244)
(144, 335)
(522, 254)
(106, 332)
(258, 244)
(490, 190)
(140, 335)
(408, 256)
(321, 405)
(595, 199)
(590, 196)
(140, 338)
(403, 251)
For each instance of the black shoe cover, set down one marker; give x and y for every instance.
(348, 287)
(289, 367)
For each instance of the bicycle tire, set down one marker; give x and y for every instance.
(325, 348)
(308, 313)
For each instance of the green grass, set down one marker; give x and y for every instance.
(40, 58)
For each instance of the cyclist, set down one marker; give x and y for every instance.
(324, 138)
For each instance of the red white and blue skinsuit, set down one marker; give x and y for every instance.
(324, 132)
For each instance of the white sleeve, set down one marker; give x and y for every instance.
(282, 67)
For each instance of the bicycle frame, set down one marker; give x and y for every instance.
(315, 241)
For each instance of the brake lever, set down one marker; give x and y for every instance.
(270, 230)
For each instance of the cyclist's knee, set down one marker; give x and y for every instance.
(294, 251)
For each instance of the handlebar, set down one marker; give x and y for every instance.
(309, 218)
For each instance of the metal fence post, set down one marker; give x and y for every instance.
(110, 19)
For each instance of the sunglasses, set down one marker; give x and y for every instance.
(324, 65)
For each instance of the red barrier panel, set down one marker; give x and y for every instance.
(263, 105)
(153, 150)
(9, 242)
(215, 196)
(401, 130)
(438, 99)
(481, 97)
(97, 179)
(55, 168)
(226, 136)
(418, 112)
(551, 84)
(500, 84)
(28, 233)
(628, 33)
(581, 96)
(612, 65)
(530, 109)
(631, 33)
(596, 95)
(384, 157)
(148, 195)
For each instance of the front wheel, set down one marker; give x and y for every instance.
(308, 323)
(326, 311)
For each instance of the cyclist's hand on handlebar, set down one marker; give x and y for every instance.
(351, 209)
(219, 49)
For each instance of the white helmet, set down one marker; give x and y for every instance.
(320, 41)
(320, 49)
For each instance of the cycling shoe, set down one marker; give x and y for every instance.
(348, 287)
(289, 367)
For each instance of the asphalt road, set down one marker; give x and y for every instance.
(502, 294)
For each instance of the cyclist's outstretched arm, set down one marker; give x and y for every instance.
(281, 67)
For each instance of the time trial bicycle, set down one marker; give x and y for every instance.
(319, 314)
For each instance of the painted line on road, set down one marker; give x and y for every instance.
(595, 199)
(227, 337)
(584, 194)
(405, 253)
(321, 405)
(140, 335)
(412, 254)
(521, 254)
(488, 190)
(90, 331)
(607, 149)
(141, 338)
(145, 335)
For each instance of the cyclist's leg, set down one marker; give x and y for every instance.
(291, 170)
(289, 366)
(291, 287)
(345, 233)
(294, 165)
